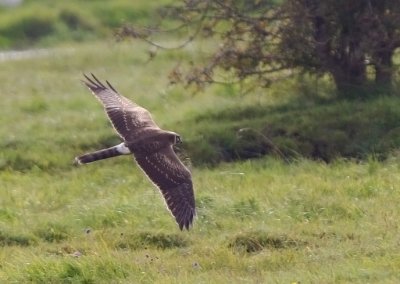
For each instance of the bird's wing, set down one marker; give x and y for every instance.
(126, 116)
(174, 180)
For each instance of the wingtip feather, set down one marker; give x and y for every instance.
(111, 86)
(186, 222)
(98, 81)
(93, 83)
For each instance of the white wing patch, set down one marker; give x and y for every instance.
(121, 148)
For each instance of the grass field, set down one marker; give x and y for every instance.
(259, 221)
(280, 218)
(46, 22)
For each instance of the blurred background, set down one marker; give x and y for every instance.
(43, 23)
(264, 79)
(289, 112)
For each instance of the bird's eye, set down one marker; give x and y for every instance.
(178, 139)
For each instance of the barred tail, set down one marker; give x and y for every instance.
(99, 155)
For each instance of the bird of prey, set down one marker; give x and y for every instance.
(151, 147)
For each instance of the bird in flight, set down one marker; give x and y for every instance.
(151, 147)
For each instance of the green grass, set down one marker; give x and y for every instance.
(45, 22)
(260, 220)
(325, 131)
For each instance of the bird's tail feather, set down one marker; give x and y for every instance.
(98, 155)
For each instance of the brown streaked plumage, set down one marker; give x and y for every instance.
(151, 147)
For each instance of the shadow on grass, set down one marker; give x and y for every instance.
(52, 233)
(252, 242)
(317, 130)
(144, 240)
(27, 155)
(8, 239)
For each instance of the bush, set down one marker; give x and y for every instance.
(75, 20)
(28, 27)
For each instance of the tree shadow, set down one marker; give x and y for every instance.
(323, 130)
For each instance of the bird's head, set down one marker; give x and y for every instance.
(177, 139)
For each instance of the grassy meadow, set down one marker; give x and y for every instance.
(259, 220)
(282, 216)
(47, 22)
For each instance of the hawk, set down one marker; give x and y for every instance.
(151, 147)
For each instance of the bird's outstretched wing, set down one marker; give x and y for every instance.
(126, 116)
(174, 180)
